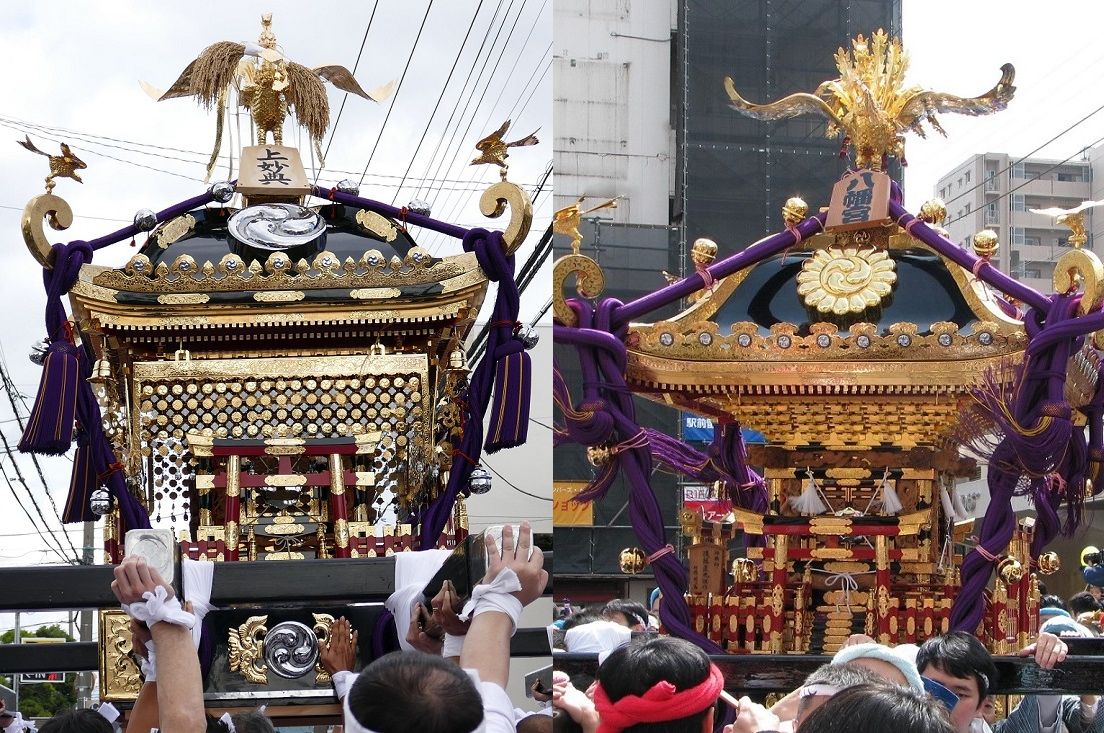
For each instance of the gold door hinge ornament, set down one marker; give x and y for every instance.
(245, 647)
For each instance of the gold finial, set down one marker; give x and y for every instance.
(933, 211)
(703, 252)
(871, 105)
(65, 165)
(566, 221)
(1010, 570)
(493, 150)
(632, 560)
(267, 39)
(794, 212)
(986, 244)
(1073, 218)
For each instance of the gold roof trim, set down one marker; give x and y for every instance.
(278, 272)
(702, 342)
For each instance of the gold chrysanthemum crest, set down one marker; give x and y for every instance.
(849, 280)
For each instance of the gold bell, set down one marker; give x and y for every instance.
(1010, 570)
(1049, 563)
(631, 560)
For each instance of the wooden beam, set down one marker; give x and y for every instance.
(303, 581)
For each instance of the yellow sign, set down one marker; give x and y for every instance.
(566, 512)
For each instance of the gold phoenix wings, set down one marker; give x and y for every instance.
(269, 86)
(870, 103)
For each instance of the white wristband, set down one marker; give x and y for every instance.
(159, 607)
(453, 645)
(149, 664)
(496, 596)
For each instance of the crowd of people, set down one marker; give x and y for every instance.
(449, 678)
(649, 683)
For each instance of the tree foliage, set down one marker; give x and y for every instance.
(43, 700)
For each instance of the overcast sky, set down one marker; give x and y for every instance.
(959, 47)
(77, 66)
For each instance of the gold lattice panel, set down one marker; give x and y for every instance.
(318, 397)
(853, 422)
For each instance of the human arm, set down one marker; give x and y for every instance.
(180, 694)
(144, 715)
(576, 705)
(752, 717)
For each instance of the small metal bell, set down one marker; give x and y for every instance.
(417, 206)
(480, 480)
(38, 352)
(100, 503)
(222, 191)
(528, 336)
(145, 220)
(347, 186)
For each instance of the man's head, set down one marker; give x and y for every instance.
(1082, 602)
(825, 683)
(961, 663)
(627, 613)
(878, 708)
(886, 662)
(672, 675)
(77, 721)
(405, 691)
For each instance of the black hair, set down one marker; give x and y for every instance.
(636, 668)
(1082, 602)
(876, 707)
(634, 612)
(1053, 602)
(842, 676)
(77, 721)
(254, 722)
(960, 655)
(534, 723)
(404, 691)
(583, 616)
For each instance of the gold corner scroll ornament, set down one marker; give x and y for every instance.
(245, 648)
(120, 677)
(589, 283)
(323, 627)
(493, 204)
(57, 213)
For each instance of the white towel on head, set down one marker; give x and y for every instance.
(412, 571)
(596, 637)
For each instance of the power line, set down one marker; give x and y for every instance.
(333, 130)
(433, 114)
(398, 89)
(511, 484)
(1029, 180)
(1025, 157)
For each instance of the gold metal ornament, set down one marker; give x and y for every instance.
(703, 252)
(794, 212)
(323, 624)
(1049, 563)
(598, 455)
(494, 150)
(842, 281)
(1081, 268)
(566, 221)
(933, 211)
(65, 165)
(57, 213)
(589, 283)
(869, 103)
(632, 560)
(986, 244)
(245, 647)
(744, 570)
(493, 203)
(1073, 218)
(1010, 570)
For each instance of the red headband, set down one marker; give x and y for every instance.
(659, 704)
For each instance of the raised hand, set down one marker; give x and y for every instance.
(529, 569)
(338, 653)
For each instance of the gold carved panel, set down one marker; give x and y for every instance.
(119, 675)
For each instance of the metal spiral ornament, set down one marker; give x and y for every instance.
(276, 226)
(290, 649)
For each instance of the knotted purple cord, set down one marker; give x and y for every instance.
(490, 250)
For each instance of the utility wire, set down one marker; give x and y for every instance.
(433, 114)
(337, 120)
(511, 484)
(398, 89)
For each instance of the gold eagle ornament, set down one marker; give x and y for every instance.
(870, 103)
(269, 85)
(65, 165)
(494, 150)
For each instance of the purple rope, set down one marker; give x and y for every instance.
(407, 217)
(757, 252)
(956, 254)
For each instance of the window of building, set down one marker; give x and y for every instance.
(1018, 202)
(1018, 171)
(1033, 240)
(1034, 272)
(967, 208)
(967, 176)
(1017, 235)
(1070, 177)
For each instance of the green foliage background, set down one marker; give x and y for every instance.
(49, 698)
